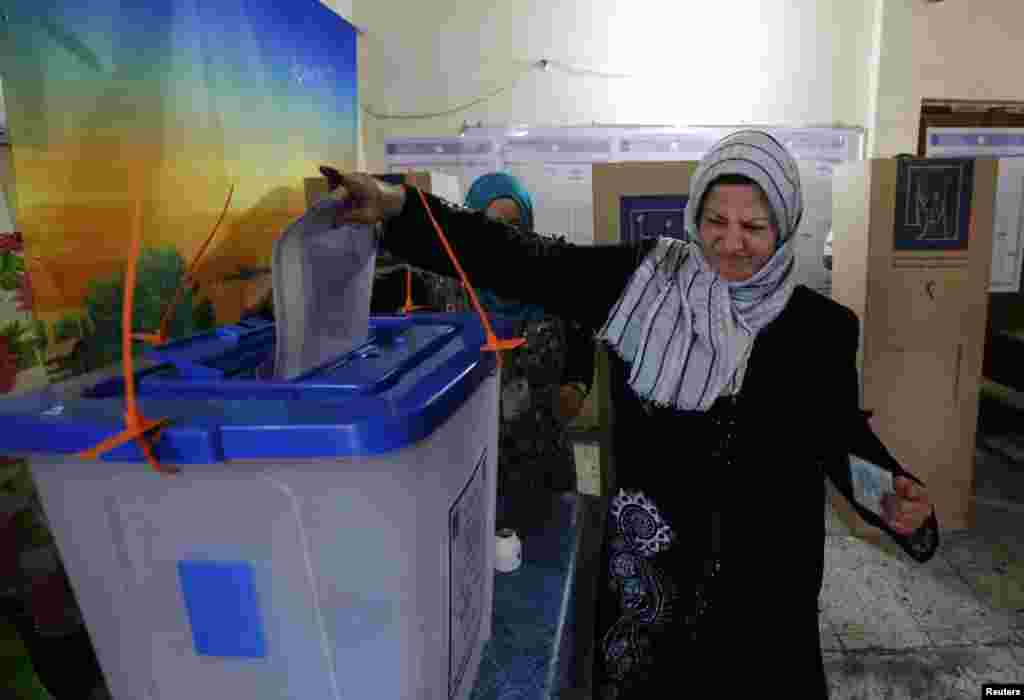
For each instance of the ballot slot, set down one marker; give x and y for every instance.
(231, 362)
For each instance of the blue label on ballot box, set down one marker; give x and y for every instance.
(222, 608)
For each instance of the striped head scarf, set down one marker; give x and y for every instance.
(685, 332)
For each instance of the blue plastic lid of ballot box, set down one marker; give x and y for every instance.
(411, 374)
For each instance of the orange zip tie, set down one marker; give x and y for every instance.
(493, 343)
(161, 336)
(408, 307)
(137, 426)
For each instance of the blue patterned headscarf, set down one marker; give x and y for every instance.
(486, 189)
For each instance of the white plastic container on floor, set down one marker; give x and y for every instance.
(329, 537)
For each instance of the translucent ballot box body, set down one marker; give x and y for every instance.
(326, 537)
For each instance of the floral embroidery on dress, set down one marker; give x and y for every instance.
(646, 596)
(639, 521)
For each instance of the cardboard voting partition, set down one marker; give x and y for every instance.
(912, 256)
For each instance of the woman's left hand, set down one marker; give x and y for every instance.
(907, 509)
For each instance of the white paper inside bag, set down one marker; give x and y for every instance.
(323, 277)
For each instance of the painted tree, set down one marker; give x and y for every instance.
(205, 316)
(12, 265)
(17, 352)
(66, 328)
(158, 275)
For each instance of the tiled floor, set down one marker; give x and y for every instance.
(896, 629)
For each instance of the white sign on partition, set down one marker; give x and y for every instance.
(960, 142)
(1008, 237)
(463, 158)
(1008, 146)
(819, 143)
(555, 165)
(552, 145)
(816, 180)
(666, 144)
(566, 205)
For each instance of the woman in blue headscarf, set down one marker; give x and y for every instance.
(544, 383)
(504, 198)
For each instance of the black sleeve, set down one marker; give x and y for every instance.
(579, 359)
(389, 290)
(854, 436)
(576, 283)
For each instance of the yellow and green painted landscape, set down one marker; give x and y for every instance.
(165, 106)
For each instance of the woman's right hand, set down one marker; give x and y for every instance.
(363, 199)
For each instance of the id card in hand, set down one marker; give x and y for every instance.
(870, 484)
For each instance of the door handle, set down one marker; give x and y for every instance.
(929, 288)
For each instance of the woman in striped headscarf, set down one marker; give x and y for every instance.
(735, 392)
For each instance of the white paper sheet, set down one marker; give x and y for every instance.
(323, 277)
(871, 484)
(1008, 236)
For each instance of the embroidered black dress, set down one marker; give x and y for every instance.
(715, 531)
(534, 452)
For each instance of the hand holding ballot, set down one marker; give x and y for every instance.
(906, 509)
(363, 199)
(901, 502)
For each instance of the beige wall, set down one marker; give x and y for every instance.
(867, 63)
(692, 61)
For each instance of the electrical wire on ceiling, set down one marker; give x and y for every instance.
(453, 110)
(547, 64)
(544, 65)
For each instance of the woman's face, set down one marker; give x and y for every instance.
(505, 210)
(737, 232)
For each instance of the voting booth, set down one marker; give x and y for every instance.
(912, 257)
